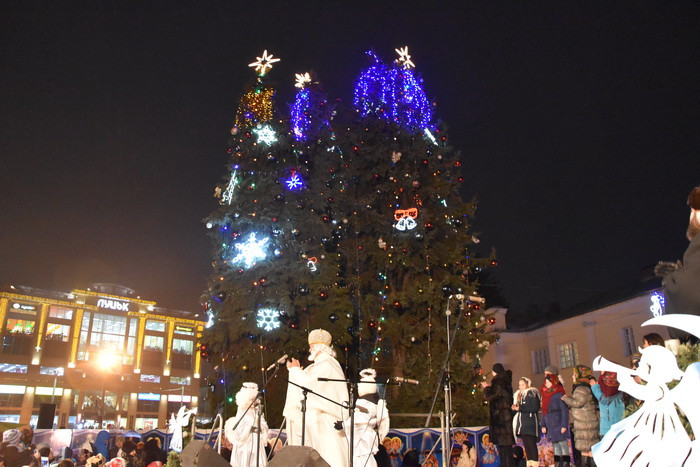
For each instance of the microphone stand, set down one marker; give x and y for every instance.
(259, 413)
(346, 405)
(445, 380)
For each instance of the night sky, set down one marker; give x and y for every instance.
(578, 126)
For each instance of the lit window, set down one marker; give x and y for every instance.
(59, 332)
(20, 326)
(12, 368)
(153, 343)
(568, 355)
(52, 370)
(60, 312)
(152, 325)
(183, 346)
(150, 379)
(108, 331)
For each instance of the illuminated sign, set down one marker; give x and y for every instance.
(22, 306)
(184, 330)
(113, 304)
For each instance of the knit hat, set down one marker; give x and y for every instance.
(367, 383)
(498, 368)
(320, 336)
(551, 369)
(694, 198)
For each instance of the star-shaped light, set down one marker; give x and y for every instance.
(294, 181)
(302, 80)
(266, 134)
(404, 58)
(251, 251)
(263, 63)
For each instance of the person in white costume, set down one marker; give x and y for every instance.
(321, 415)
(244, 438)
(371, 421)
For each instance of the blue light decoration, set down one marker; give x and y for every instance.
(658, 304)
(310, 112)
(268, 319)
(250, 251)
(392, 92)
(294, 182)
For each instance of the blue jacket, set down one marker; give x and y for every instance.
(556, 418)
(612, 408)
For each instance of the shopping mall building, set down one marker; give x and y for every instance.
(103, 355)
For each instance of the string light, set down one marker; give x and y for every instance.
(392, 93)
(255, 106)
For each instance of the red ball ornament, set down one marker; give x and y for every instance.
(492, 321)
(323, 295)
(240, 271)
(397, 304)
(325, 218)
(359, 247)
(429, 226)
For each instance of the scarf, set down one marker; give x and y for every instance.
(547, 393)
(608, 383)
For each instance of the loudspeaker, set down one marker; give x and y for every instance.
(297, 456)
(46, 414)
(199, 453)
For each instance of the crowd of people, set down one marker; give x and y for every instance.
(17, 450)
(581, 417)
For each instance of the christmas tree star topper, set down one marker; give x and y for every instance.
(302, 80)
(262, 64)
(404, 58)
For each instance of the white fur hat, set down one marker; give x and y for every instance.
(320, 336)
(246, 394)
(367, 384)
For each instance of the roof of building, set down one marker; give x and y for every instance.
(595, 302)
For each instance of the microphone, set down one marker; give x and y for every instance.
(282, 359)
(399, 379)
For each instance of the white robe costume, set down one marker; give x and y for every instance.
(244, 438)
(321, 414)
(366, 435)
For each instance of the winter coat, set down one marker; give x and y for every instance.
(527, 419)
(556, 418)
(612, 409)
(585, 416)
(500, 397)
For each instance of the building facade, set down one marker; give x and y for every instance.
(104, 356)
(613, 331)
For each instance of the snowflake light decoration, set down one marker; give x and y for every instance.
(404, 58)
(251, 251)
(294, 181)
(262, 64)
(268, 319)
(266, 135)
(302, 80)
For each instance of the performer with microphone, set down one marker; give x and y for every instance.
(244, 438)
(321, 415)
(371, 421)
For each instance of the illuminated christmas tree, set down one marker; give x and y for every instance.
(349, 219)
